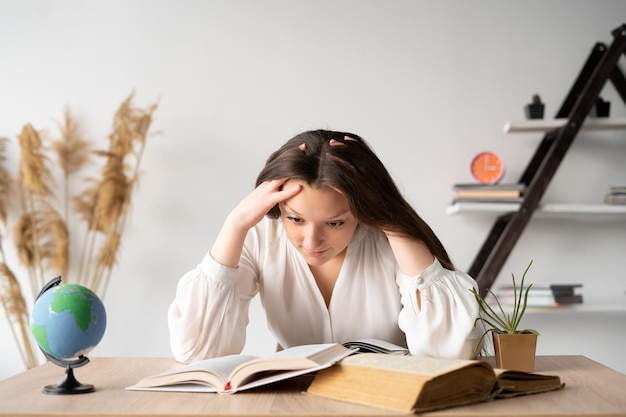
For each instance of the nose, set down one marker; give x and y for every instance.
(313, 237)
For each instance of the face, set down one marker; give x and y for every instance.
(318, 222)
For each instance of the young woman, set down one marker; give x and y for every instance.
(336, 254)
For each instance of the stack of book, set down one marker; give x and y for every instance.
(547, 295)
(509, 193)
(616, 195)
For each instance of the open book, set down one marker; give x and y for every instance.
(229, 374)
(376, 346)
(418, 384)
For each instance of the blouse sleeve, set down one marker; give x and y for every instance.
(209, 315)
(443, 325)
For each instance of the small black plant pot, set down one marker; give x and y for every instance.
(534, 111)
(600, 109)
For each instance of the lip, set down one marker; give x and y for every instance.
(315, 254)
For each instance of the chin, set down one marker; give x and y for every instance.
(316, 260)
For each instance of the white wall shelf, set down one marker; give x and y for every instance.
(579, 308)
(541, 125)
(548, 208)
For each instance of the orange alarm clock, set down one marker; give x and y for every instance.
(487, 167)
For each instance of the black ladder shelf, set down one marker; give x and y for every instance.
(601, 65)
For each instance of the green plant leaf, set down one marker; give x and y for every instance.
(496, 319)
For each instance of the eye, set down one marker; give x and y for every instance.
(295, 219)
(335, 224)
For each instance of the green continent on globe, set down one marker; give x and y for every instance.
(41, 336)
(77, 301)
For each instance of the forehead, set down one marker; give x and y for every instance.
(316, 202)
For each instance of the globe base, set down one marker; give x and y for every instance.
(69, 385)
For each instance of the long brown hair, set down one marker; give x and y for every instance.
(345, 162)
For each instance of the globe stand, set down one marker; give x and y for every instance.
(69, 384)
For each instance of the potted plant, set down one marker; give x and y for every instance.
(534, 110)
(514, 348)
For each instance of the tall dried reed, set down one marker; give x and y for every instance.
(16, 313)
(33, 183)
(11, 297)
(105, 205)
(6, 183)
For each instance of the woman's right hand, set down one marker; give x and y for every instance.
(229, 243)
(255, 206)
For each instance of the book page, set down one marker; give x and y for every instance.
(213, 371)
(229, 373)
(419, 365)
(307, 357)
(376, 346)
(271, 377)
(303, 351)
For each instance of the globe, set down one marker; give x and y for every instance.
(68, 321)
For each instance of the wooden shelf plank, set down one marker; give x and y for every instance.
(549, 208)
(542, 125)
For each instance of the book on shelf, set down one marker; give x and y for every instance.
(490, 192)
(499, 186)
(488, 200)
(233, 373)
(420, 384)
(542, 300)
(543, 295)
(615, 199)
(616, 195)
(618, 189)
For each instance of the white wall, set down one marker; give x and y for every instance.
(428, 84)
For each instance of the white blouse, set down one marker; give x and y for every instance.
(371, 299)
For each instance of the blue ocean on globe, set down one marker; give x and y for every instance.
(68, 320)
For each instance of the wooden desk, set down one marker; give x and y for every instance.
(591, 390)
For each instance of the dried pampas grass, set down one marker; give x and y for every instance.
(33, 172)
(72, 152)
(11, 297)
(6, 183)
(14, 306)
(46, 221)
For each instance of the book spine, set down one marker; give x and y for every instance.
(473, 186)
(488, 194)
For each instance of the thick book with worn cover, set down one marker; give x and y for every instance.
(229, 374)
(418, 384)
